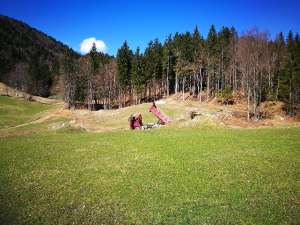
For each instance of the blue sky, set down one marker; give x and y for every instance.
(138, 22)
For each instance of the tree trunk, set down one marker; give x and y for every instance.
(248, 103)
(176, 83)
(167, 78)
(290, 98)
(201, 85)
(183, 85)
(194, 84)
(208, 87)
(90, 95)
(278, 85)
(120, 98)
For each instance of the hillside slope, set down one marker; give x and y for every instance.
(29, 58)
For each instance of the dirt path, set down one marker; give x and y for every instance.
(42, 117)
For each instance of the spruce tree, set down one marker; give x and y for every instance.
(212, 58)
(280, 52)
(288, 74)
(168, 59)
(137, 74)
(124, 57)
(93, 64)
(297, 69)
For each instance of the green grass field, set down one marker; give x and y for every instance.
(16, 111)
(163, 176)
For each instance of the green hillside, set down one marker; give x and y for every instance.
(15, 111)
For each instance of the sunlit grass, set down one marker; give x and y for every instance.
(201, 175)
(15, 111)
(165, 176)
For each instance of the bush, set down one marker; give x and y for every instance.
(225, 96)
(270, 95)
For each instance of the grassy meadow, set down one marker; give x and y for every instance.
(14, 111)
(209, 175)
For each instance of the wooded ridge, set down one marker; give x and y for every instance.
(30, 59)
(224, 63)
(252, 64)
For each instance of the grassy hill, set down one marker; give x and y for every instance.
(15, 111)
(172, 175)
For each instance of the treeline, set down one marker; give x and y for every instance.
(252, 64)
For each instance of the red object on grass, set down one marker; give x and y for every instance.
(162, 117)
(135, 121)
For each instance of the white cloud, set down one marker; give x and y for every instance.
(87, 44)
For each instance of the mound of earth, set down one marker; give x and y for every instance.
(269, 109)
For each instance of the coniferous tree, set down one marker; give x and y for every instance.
(153, 67)
(297, 70)
(124, 57)
(137, 74)
(290, 77)
(280, 52)
(212, 54)
(93, 63)
(224, 39)
(168, 61)
(198, 62)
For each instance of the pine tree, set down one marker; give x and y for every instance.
(137, 74)
(287, 77)
(153, 66)
(168, 59)
(198, 44)
(280, 51)
(94, 66)
(198, 62)
(95, 59)
(224, 39)
(212, 55)
(124, 57)
(297, 69)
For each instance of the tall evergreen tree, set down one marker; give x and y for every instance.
(124, 57)
(153, 66)
(137, 74)
(287, 78)
(93, 62)
(297, 69)
(168, 63)
(280, 52)
(212, 57)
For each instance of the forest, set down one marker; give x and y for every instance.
(252, 65)
(225, 64)
(29, 58)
